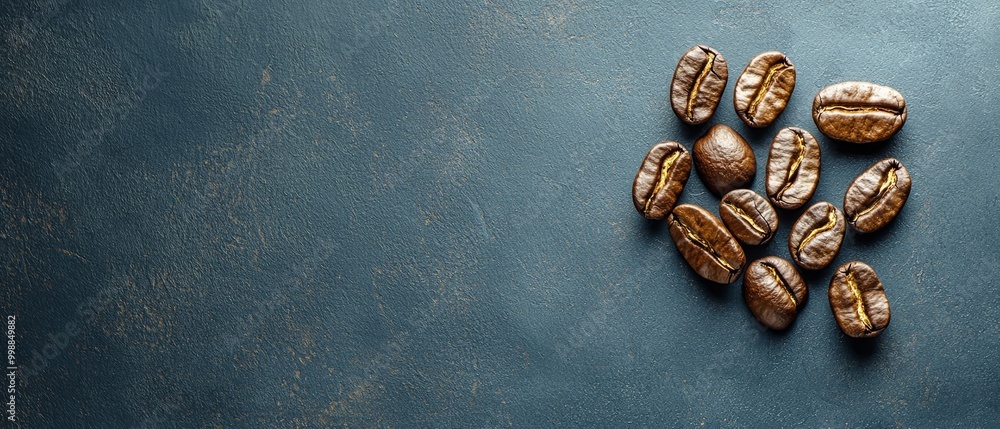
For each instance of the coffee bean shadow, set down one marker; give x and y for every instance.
(787, 218)
(847, 148)
(718, 293)
(818, 280)
(758, 137)
(690, 133)
(651, 230)
(772, 334)
(754, 253)
(862, 350)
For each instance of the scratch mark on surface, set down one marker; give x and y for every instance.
(481, 217)
(24, 266)
(71, 253)
(378, 300)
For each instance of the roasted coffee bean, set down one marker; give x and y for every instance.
(748, 216)
(724, 160)
(699, 80)
(816, 236)
(859, 112)
(858, 300)
(706, 244)
(877, 195)
(792, 168)
(774, 292)
(661, 179)
(763, 89)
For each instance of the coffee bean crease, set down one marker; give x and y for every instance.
(706, 247)
(888, 182)
(662, 178)
(772, 72)
(859, 307)
(750, 220)
(773, 272)
(831, 221)
(793, 169)
(705, 70)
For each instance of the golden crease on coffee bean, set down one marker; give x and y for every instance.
(793, 168)
(887, 182)
(773, 272)
(831, 221)
(748, 216)
(816, 236)
(706, 244)
(859, 112)
(662, 176)
(697, 84)
(696, 88)
(700, 242)
(774, 291)
(860, 305)
(748, 220)
(660, 179)
(764, 88)
(877, 195)
(858, 300)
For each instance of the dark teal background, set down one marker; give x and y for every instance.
(252, 213)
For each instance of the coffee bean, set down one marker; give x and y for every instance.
(661, 179)
(792, 168)
(774, 292)
(699, 80)
(748, 216)
(859, 112)
(816, 236)
(706, 244)
(763, 89)
(858, 300)
(877, 195)
(724, 160)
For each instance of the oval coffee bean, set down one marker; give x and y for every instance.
(724, 160)
(816, 236)
(774, 292)
(858, 301)
(859, 112)
(699, 80)
(877, 195)
(792, 168)
(763, 89)
(706, 244)
(748, 216)
(661, 179)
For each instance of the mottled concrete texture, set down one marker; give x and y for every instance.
(387, 213)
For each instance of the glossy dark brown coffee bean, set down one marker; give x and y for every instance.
(699, 80)
(858, 300)
(792, 168)
(661, 179)
(859, 112)
(705, 244)
(816, 236)
(724, 160)
(748, 216)
(774, 292)
(877, 195)
(763, 89)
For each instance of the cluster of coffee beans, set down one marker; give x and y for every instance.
(857, 112)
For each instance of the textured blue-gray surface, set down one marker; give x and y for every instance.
(253, 213)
